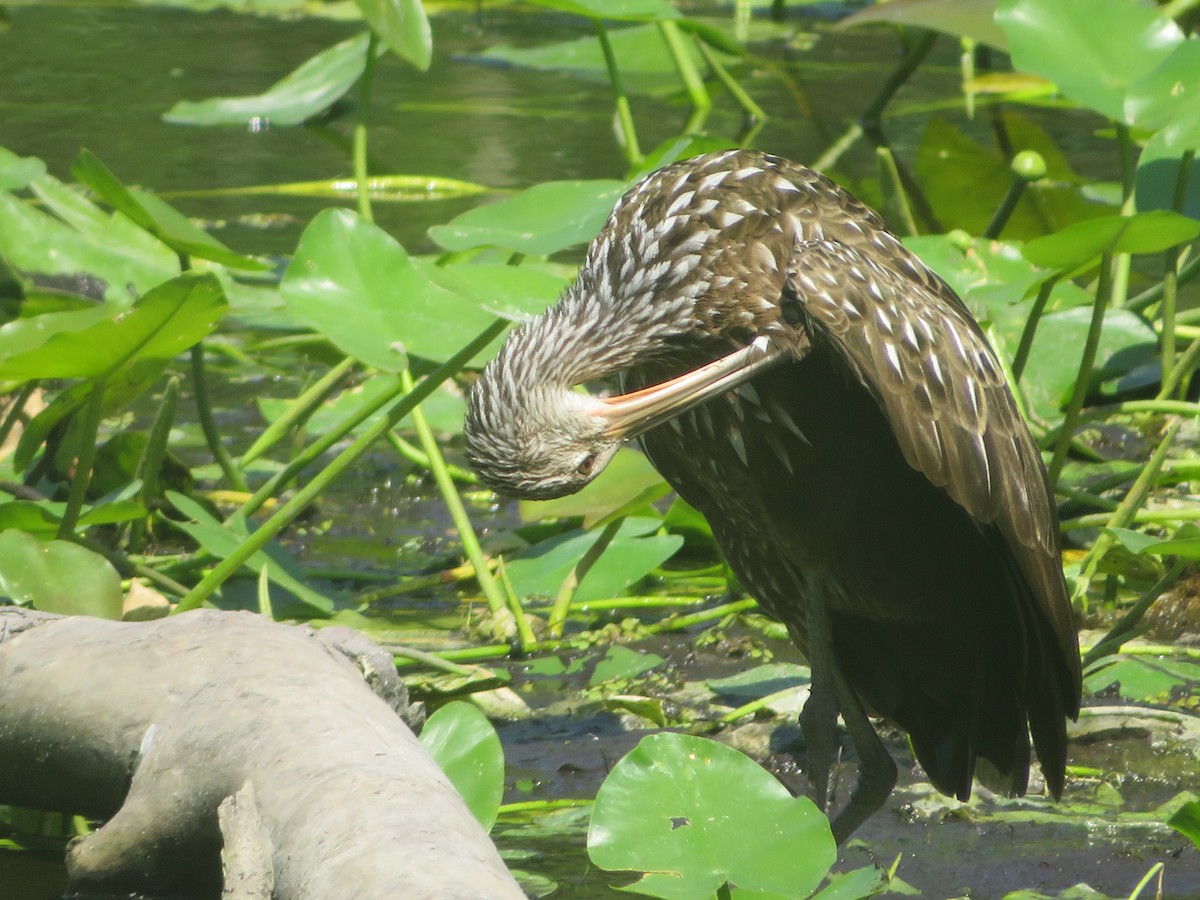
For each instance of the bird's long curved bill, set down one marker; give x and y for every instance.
(629, 415)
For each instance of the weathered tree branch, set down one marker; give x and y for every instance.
(153, 726)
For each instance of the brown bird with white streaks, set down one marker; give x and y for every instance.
(830, 406)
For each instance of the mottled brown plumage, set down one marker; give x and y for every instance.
(857, 452)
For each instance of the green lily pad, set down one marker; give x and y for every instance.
(307, 91)
(1159, 166)
(694, 815)
(624, 663)
(541, 220)
(113, 255)
(540, 570)
(463, 742)
(1158, 97)
(1092, 49)
(615, 10)
(1146, 679)
(58, 577)
(1053, 365)
(973, 19)
(1186, 820)
(17, 171)
(356, 285)
(403, 26)
(761, 681)
(642, 56)
(626, 477)
(165, 322)
(158, 217)
(1081, 243)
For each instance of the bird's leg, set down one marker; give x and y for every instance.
(830, 692)
(818, 722)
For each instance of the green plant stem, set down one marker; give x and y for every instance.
(723, 892)
(418, 458)
(892, 185)
(1021, 357)
(570, 585)
(1171, 267)
(1156, 869)
(543, 805)
(650, 602)
(629, 139)
(678, 623)
(462, 522)
(1175, 379)
(838, 148)
(13, 416)
(305, 495)
(1153, 294)
(360, 130)
(1126, 627)
(298, 410)
(1083, 380)
(872, 117)
(1006, 208)
(1125, 512)
(692, 81)
(1142, 517)
(433, 661)
(208, 424)
(739, 94)
(85, 455)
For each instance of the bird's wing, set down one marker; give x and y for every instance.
(913, 344)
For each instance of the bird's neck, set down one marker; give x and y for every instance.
(593, 332)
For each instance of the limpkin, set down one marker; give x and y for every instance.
(832, 408)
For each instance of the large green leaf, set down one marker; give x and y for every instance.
(158, 217)
(642, 56)
(694, 815)
(1186, 820)
(540, 570)
(310, 89)
(58, 577)
(165, 322)
(1157, 97)
(1159, 165)
(16, 171)
(511, 292)
(107, 256)
(1083, 242)
(356, 285)
(616, 10)
(464, 743)
(973, 19)
(541, 220)
(1147, 679)
(626, 477)
(403, 26)
(1053, 365)
(1092, 49)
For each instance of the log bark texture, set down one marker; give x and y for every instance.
(153, 726)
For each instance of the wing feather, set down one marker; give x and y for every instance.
(914, 345)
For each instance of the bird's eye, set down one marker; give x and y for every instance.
(586, 464)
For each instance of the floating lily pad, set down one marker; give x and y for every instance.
(694, 815)
(464, 743)
(58, 577)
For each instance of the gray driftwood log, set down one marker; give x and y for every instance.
(322, 790)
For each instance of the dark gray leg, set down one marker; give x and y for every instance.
(831, 692)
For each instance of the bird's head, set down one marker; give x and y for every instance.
(539, 439)
(539, 445)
